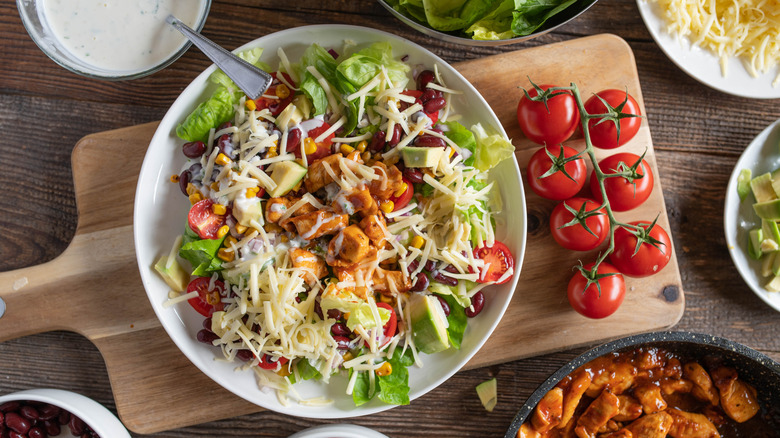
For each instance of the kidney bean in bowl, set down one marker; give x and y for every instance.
(51, 413)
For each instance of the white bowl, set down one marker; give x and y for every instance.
(338, 431)
(761, 156)
(95, 415)
(160, 211)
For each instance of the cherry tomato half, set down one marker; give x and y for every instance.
(604, 135)
(323, 147)
(208, 300)
(647, 258)
(498, 260)
(279, 89)
(597, 301)
(391, 325)
(556, 186)
(268, 363)
(203, 221)
(624, 194)
(550, 127)
(402, 201)
(575, 237)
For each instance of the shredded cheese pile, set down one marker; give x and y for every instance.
(745, 29)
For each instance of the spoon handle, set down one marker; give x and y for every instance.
(250, 79)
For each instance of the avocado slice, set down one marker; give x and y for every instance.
(769, 210)
(421, 157)
(767, 262)
(429, 324)
(743, 183)
(286, 175)
(773, 285)
(488, 393)
(175, 276)
(754, 243)
(762, 188)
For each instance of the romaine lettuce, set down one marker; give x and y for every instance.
(215, 111)
(492, 148)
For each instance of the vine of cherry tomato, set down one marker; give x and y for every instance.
(575, 236)
(624, 194)
(550, 124)
(598, 299)
(557, 185)
(644, 254)
(604, 134)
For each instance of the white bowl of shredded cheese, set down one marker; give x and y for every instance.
(160, 210)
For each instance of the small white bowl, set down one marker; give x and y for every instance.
(338, 430)
(95, 415)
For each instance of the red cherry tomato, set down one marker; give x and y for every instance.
(323, 147)
(267, 363)
(391, 325)
(209, 300)
(623, 194)
(604, 135)
(498, 260)
(402, 201)
(203, 221)
(556, 186)
(575, 237)
(649, 257)
(597, 301)
(276, 106)
(550, 127)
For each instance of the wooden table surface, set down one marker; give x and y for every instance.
(698, 134)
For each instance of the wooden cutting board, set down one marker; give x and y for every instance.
(94, 287)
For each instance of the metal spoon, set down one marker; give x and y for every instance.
(250, 79)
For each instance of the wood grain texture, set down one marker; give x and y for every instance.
(697, 133)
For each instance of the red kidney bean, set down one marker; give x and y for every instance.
(421, 284)
(49, 412)
(245, 354)
(414, 175)
(184, 178)
(16, 422)
(12, 434)
(477, 303)
(2, 421)
(207, 323)
(430, 266)
(377, 142)
(430, 93)
(424, 78)
(10, 406)
(340, 329)
(429, 141)
(441, 278)
(37, 432)
(342, 341)
(206, 336)
(64, 417)
(412, 266)
(451, 269)
(193, 149)
(444, 305)
(334, 314)
(396, 137)
(293, 142)
(225, 145)
(29, 412)
(434, 105)
(224, 125)
(77, 425)
(52, 428)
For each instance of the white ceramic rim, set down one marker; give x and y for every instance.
(704, 66)
(339, 431)
(762, 155)
(97, 416)
(152, 239)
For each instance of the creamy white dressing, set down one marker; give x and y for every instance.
(120, 35)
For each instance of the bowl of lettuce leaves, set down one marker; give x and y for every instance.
(486, 22)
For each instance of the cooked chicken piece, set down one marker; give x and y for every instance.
(737, 398)
(275, 209)
(650, 359)
(356, 202)
(673, 369)
(390, 282)
(691, 425)
(350, 245)
(549, 410)
(715, 415)
(630, 409)
(622, 433)
(374, 226)
(703, 389)
(527, 431)
(389, 181)
(611, 426)
(579, 383)
(313, 266)
(671, 385)
(651, 426)
(319, 223)
(318, 175)
(597, 414)
(610, 375)
(650, 397)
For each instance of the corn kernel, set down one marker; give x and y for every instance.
(252, 192)
(366, 156)
(401, 190)
(214, 186)
(284, 238)
(271, 152)
(191, 188)
(346, 149)
(362, 146)
(218, 209)
(240, 229)
(284, 371)
(250, 105)
(385, 370)
(174, 178)
(348, 356)
(389, 161)
(346, 316)
(452, 153)
(300, 161)
(225, 255)
(222, 160)
(195, 198)
(385, 299)
(229, 240)
(387, 206)
(418, 242)
(309, 146)
(222, 231)
(282, 92)
(273, 228)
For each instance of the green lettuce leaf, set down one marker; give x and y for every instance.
(215, 111)
(463, 138)
(305, 371)
(202, 254)
(394, 387)
(361, 314)
(497, 25)
(530, 15)
(251, 56)
(450, 15)
(492, 148)
(457, 320)
(362, 66)
(319, 58)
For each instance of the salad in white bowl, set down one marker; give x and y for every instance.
(341, 228)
